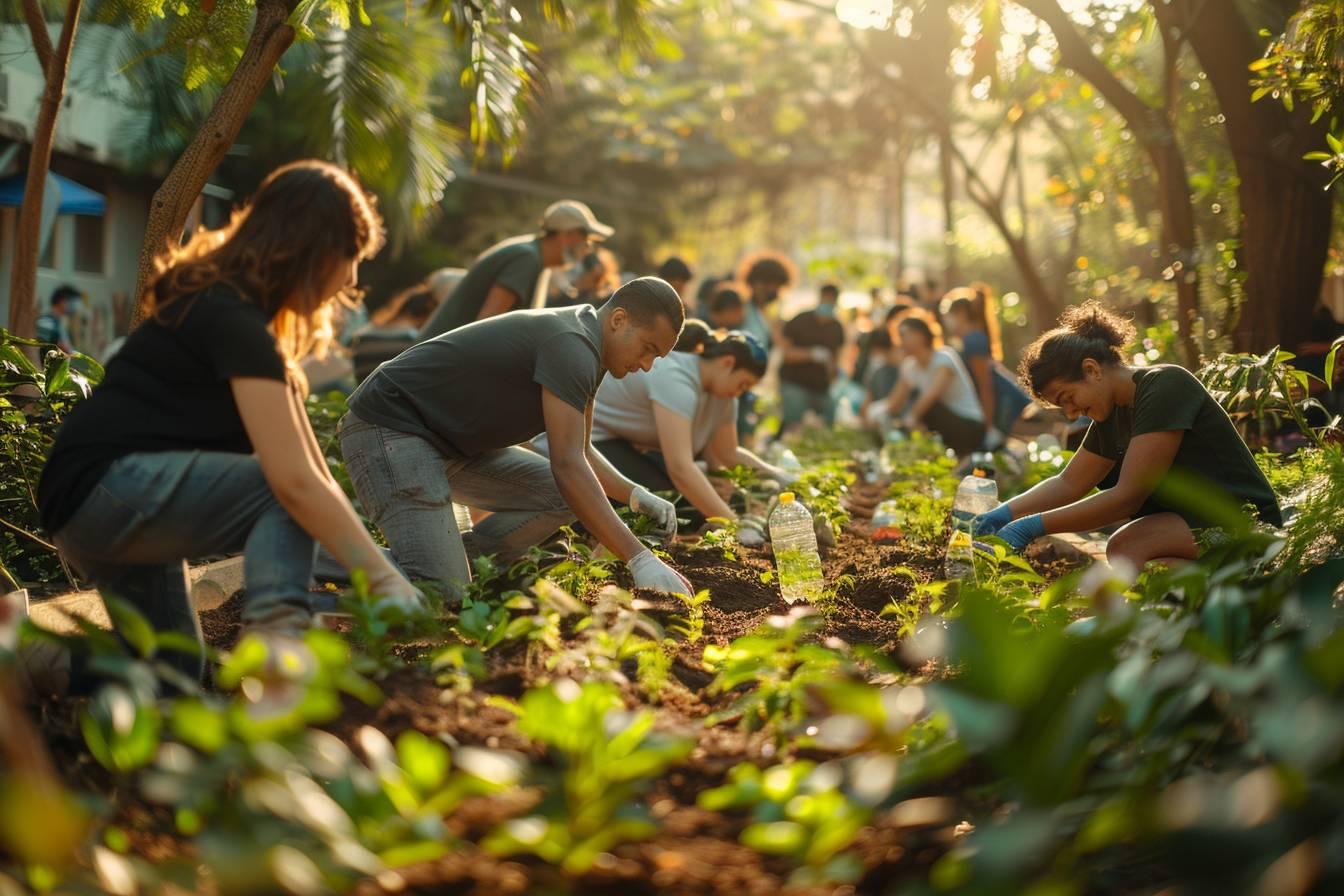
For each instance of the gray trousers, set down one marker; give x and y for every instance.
(151, 512)
(407, 488)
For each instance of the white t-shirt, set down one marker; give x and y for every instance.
(623, 408)
(959, 396)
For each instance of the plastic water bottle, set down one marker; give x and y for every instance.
(463, 516)
(795, 545)
(886, 513)
(976, 494)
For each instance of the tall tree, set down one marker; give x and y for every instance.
(55, 62)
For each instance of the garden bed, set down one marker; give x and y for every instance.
(694, 850)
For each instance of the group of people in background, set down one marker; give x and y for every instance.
(539, 408)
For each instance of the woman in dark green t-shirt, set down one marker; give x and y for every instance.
(1176, 448)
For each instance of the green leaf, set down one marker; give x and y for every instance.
(131, 625)
(424, 761)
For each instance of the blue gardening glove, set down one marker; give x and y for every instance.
(991, 521)
(1020, 533)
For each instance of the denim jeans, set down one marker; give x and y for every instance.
(795, 401)
(407, 488)
(151, 512)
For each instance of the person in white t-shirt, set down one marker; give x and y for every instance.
(653, 427)
(945, 399)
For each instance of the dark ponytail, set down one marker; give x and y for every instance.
(1085, 332)
(747, 353)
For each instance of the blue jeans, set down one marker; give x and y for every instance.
(795, 401)
(407, 488)
(151, 512)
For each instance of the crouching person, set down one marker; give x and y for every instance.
(445, 420)
(197, 443)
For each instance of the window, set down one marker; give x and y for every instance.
(88, 244)
(48, 257)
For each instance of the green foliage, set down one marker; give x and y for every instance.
(822, 489)
(1262, 392)
(378, 624)
(602, 757)
(772, 670)
(569, 562)
(1304, 64)
(803, 811)
(34, 399)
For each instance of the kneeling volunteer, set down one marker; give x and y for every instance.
(197, 442)
(1158, 423)
(654, 426)
(445, 420)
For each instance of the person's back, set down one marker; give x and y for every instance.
(475, 388)
(514, 263)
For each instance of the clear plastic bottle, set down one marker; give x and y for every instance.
(886, 513)
(795, 545)
(976, 494)
(463, 516)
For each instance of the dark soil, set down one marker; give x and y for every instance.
(695, 851)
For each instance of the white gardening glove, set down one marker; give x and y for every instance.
(750, 532)
(651, 573)
(821, 354)
(662, 512)
(396, 589)
(878, 415)
(993, 439)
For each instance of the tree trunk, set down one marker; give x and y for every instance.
(28, 238)
(1286, 222)
(1286, 212)
(271, 36)
(1158, 138)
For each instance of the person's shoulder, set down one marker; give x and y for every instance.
(1168, 377)
(976, 342)
(526, 244)
(215, 304)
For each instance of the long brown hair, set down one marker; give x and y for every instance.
(278, 250)
(977, 303)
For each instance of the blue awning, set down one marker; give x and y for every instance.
(75, 199)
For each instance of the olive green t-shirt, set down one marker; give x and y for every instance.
(1168, 398)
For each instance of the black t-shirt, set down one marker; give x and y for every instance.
(1168, 398)
(807, 330)
(166, 390)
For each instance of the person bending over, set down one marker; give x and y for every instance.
(944, 396)
(970, 315)
(654, 426)
(197, 442)
(445, 420)
(1158, 424)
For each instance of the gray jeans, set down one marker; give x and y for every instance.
(408, 488)
(151, 512)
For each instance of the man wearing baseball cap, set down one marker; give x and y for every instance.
(508, 275)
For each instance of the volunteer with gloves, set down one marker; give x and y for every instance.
(1169, 436)
(446, 419)
(654, 426)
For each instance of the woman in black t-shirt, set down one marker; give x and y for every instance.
(197, 443)
(1180, 457)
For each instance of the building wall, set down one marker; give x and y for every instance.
(86, 151)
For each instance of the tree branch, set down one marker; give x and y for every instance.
(37, 26)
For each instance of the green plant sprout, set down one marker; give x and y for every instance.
(799, 810)
(772, 669)
(602, 758)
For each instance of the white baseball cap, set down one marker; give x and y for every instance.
(571, 214)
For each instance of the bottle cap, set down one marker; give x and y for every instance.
(978, 471)
(786, 497)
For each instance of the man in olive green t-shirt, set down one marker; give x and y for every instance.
(506, 276)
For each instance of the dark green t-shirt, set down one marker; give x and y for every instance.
(514, 264)
(478, 388)
(1168, 398)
